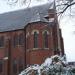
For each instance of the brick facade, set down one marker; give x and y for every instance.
(24, 55)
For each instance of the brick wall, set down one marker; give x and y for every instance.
(38, 55)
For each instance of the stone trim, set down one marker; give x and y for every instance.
(35, 31)
(27, 34)
(46, 31)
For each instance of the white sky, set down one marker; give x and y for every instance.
(5, 7)
(66, 23)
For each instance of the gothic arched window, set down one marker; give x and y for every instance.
(35, 39)
(45, 39)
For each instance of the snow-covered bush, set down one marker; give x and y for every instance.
(51, 66)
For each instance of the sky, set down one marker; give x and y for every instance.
(5, 7)
(66, 23)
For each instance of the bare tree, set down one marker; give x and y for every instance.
(61, 5)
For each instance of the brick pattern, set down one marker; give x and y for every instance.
(29, 55)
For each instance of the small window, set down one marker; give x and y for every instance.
(1, 66)
(35, 39)
(14, 66)
(45, 39)
(15, 41)
(18, 40)
(2, 41)
(21, 39)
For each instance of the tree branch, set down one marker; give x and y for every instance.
(67, 7)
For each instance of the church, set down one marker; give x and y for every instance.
(27, 37)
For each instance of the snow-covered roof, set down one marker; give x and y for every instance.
(19, 19)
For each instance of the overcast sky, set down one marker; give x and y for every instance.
(5, 7)
(67, 24)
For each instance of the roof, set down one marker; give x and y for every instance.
(19, 19)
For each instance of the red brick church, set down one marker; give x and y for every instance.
(28, 37)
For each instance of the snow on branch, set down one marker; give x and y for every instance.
(50, 66)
